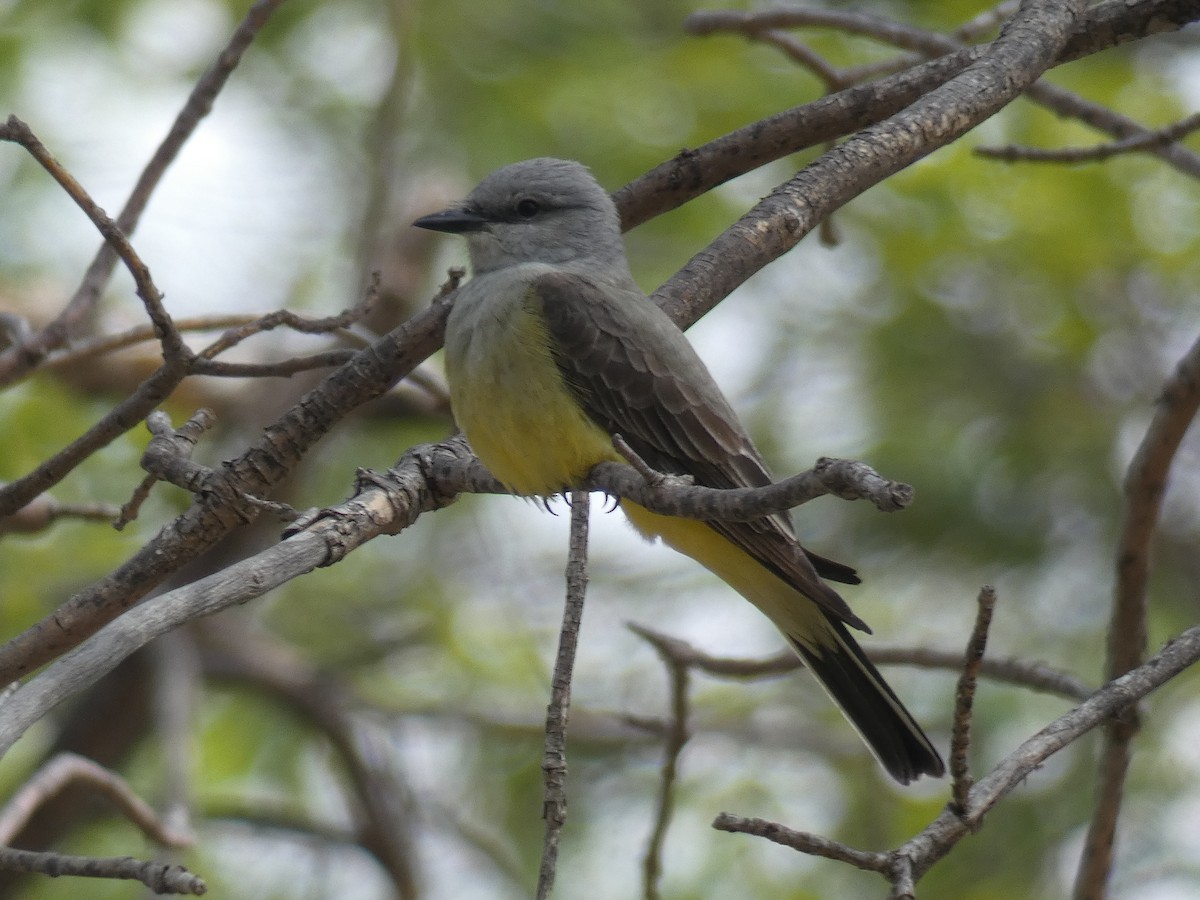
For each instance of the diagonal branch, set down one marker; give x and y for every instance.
(164, 328)
(262, 466)
(1145, 485)
(941, 835)
(162, 878)
(911, 860)
(427, 478)
(1029, 44)
(18, 360)
(1144, 141)
(696, 171)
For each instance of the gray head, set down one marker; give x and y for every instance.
(540, 210)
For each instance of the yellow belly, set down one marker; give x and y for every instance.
(516, 411)
(793, 613)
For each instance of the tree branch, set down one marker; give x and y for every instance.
(1030, 42)
(383, 815)
(159, 877)
(69, 768)
(1145, 486)
(554, 759)
(812, 844)
(907, 863)
(262, 466)
(675, 737)
(1034, 675)
(696, 171)
(41, 512)
(173, 347)
(1145, 141)
(18, 360)
(964, 697)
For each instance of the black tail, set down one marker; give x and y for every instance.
(871, 706)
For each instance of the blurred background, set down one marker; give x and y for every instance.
(994, 334)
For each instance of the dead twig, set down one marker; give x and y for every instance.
(1145, 486)
(161, 878)
(1142, 142)
(554, 759)
(964, 697)
(675, 737)
(70, 768)
(18, 360)
(173, 347)
(812, 844)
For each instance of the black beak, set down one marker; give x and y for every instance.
(456, 220)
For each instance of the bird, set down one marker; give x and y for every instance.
(551, 349)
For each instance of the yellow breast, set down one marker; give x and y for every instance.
(512, 404)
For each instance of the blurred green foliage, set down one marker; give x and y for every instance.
(993, 333)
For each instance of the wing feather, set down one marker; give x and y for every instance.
(635, 374)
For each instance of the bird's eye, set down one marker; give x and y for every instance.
(528, 208)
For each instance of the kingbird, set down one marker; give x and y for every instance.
(552, 348)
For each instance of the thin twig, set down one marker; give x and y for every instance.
(159, 877)
(98, 346)
(554, 759)
(168, 335)
(108, 343)
(303, 324)
(285, 368)
(1034, 675)
(1067, 104)
(812, 844)
(1145, 486)
(44, 510)
(917, 855)
(21, 359)
(964, 697)
(754, 24)
(802, 54)
(675, 737)
(70, 768)
(1137, 143)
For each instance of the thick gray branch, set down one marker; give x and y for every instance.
(427, 478)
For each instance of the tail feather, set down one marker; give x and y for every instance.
(856, 686)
